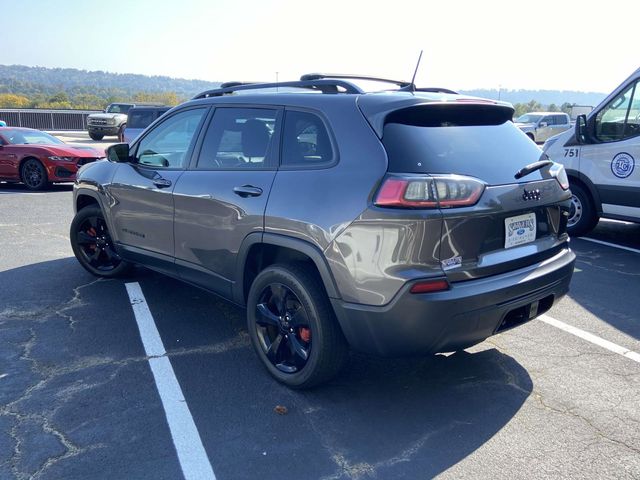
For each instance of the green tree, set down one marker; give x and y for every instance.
(553, 108)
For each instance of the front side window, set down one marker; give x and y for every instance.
(548, 120)
(620, 119)
(239, 138)
(166, 146)
(305, 141)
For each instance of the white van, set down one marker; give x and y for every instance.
(601, 156)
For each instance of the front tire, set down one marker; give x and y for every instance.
(582, 216)
(293, 328)
(121, 133)
(33, 174)
(96, 136)
(92, 244)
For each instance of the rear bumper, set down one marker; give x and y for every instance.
(466, 314)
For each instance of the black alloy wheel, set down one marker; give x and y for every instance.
(293, 327)
(93, 246)
(33, 174)
(283, 328)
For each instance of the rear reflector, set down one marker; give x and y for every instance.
(441, 191)
(427, 286)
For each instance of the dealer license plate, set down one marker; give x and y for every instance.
(519, 230)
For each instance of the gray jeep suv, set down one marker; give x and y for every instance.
(408, 221)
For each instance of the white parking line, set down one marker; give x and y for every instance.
(186, 439)
(614, 245)
(590, 337)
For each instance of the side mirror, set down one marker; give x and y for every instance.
(581, 129)
(118, 153)
(542, 124)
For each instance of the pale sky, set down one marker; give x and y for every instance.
(537, 44)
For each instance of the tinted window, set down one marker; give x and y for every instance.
(239, 138)
(548, 120)
(561, 120)
(167, 144)
(140, 118)
(493, 153)
(620, 119)
(305, 141)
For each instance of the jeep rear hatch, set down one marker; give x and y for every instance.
(462, 158)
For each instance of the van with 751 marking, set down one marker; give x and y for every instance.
(601, 156)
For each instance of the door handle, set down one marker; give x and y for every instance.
(247, 191)
(161, 182)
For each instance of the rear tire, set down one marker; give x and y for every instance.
(293, 328)
(96, 136)
(92, 244)
(33, 174)
(582, 216)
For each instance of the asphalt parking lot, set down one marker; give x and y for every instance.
(79, 400)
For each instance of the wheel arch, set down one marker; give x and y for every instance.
(84, 199)
(576, 177)
(30, 157)
(259, 250)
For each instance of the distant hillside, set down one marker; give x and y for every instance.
(40, 87)
(33, 80)
(543, 97)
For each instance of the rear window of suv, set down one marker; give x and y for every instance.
(474, 141)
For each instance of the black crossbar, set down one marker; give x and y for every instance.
(345, 76)
(321, 85)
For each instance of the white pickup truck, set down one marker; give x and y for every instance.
(600, 156)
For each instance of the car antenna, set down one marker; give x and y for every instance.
(413, 79)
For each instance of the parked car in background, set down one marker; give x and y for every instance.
(539, 126)
(36, 158)
(601, 157)
(401, 222)
(140, 118)
(113, 121)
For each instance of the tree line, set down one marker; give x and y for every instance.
(85, 101)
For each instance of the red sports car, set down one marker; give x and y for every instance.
(36, 158)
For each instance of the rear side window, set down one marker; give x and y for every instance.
(306, 142)
(476, 142)
(140, 118)
(239, 138)
(561, 120)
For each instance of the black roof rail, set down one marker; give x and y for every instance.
(319, 76)
(321, 85)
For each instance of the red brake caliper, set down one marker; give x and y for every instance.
(305, 334)
(92, 232)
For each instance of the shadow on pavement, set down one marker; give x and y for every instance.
(381, 418)
(6, 187)
(607, 279)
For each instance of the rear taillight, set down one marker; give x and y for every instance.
(560, 174)
(437, 191)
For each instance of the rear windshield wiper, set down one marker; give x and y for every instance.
(532, 167)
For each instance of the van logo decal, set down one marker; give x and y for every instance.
(622, 165)
(531, 194)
